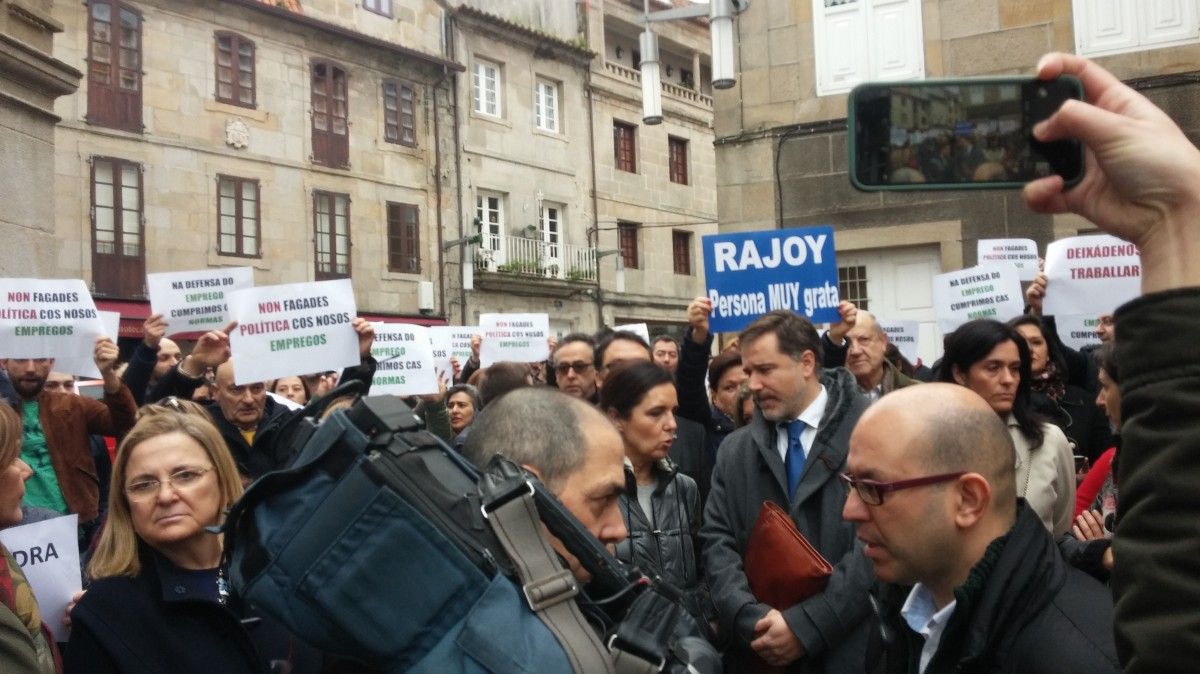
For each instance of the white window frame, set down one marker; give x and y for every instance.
(493, 244)
(1133, 26)
(546, 105)
(550, 222)
(829, 82)
(483, 74)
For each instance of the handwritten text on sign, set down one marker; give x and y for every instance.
(451, 341)
(50, 319)
(977, 292)
(405, 361)
(194, 301)
(520, 338)
(292, 329)
(905, 335)
(48, 554)
(750, 273)
(1077, 331)
(1091, 275)
(1021, 253)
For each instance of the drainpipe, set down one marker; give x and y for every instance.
(437, 183)
(595, 229)
(458, 182)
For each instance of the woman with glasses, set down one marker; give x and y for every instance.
(158, 601)
(660, 505)
(993, 360)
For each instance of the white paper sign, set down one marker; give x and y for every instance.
(1022, 253)
(57, 319)
(405, 359)
(906, 336)
(451, 341)
(292, 329)
(638, 329)
(111, 320)
(977, 292)
(520, 338)
(1077, 331)
(195, 301)
(48, 554)
(1091, 275)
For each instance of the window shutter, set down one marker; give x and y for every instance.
(1166, 21)
(841, 59)
(894, 31)
(1103, 26)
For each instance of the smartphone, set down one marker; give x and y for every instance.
(958, 134)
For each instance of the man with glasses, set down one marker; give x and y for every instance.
(574, 369)
(791, 453)
(55, 440)
(933, 499)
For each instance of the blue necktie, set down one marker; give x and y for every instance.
(793, 464)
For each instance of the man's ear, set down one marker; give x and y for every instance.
(974, 500)
(533, 470)
(808, 363)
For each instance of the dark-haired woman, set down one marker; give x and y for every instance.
(1072, 408)
(661, 506)
(992, 359)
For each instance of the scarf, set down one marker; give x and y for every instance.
(1050, 383)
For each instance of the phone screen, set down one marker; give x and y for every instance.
(925, 135)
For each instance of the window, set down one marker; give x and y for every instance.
(404, 238)
(118, 253)
(1116, 26)
(331, 222)
(627, 235)
(399, 113)
(238, 215)
(858, 40)
(114, 66)
(624, 146)
(545, 106)
(330, 131)
(681, 251)
(551, 223)
(235, 70)
(677, 151)
(485, 87)
(382, 7)
(489, 211)
(852, 286)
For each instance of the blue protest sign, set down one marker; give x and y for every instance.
(750, 273)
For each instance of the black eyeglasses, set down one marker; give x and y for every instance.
(872, 491)
(561, 369)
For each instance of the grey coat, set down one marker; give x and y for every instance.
(831, 625)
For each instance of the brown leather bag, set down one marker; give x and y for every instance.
(783, 568)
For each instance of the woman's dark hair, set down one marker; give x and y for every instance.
(1053, 352)
(1106, 359)
(628, 382)
(729, 358)
(971, 343)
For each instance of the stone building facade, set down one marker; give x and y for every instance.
(305, 142)
(31, 78)
(781, 132)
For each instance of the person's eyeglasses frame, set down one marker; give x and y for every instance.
(873, 492)
(147, 489)
(561, 369)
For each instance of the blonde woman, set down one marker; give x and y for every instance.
(158, 601)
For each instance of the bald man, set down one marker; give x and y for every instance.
(860, 344)
(933, 499)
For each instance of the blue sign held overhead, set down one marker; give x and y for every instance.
(750, 273)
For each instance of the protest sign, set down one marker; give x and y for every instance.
(977, 292)
(292, 329)
(520, 338)
(451, 341)
(55, 318)
(48, 554)
(905, 335)
(1091, 275)
(111, 320)
(1022, 253)
(750, 273)
(195, 301)
(405, 360)
(1077, 330)
(638, 329)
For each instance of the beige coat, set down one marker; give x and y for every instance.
(1046, 476)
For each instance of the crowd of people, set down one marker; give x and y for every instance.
(954, 502)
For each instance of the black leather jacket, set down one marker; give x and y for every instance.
(665, 543)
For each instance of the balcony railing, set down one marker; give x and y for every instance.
(528, 257)
(634, 77)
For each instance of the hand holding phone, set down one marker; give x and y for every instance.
(958, 134)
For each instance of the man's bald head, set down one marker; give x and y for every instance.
(962, 433)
